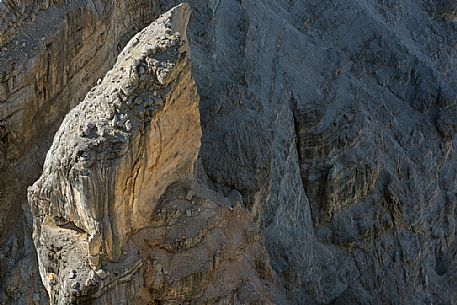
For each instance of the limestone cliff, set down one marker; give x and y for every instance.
(119, 216)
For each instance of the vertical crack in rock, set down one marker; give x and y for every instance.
(119, 214)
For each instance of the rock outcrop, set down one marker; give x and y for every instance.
(119, 214)
(334, 121)
(52, 53)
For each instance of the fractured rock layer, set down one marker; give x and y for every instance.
(52, 53)
(119, 217)
(335, 120)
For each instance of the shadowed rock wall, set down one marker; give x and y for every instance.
(335, 120)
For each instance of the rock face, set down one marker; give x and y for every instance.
(119, 216)
(115, 154)
(48, 62)
(334, 121)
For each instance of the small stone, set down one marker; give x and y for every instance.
(101, 274)
(99, 81)
(24, 44)
(191, 194)
(188, 212)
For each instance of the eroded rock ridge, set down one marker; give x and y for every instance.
(120, 214)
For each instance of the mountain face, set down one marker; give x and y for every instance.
(119, 215)
(305, 157)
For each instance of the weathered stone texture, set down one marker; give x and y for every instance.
(119, 214)
(334, 120)
(47, 65)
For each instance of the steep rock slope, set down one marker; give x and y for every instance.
(48, 62)
(335, 120)
(119, 216)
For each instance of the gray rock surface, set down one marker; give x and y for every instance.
(112, 224)
(68, 46)
(335, 120)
